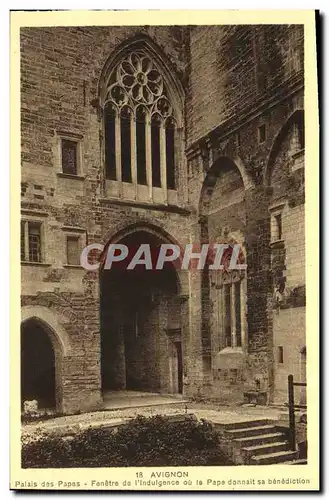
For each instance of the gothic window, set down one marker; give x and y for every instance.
(31, 241)
(140, 124)
(69, 157)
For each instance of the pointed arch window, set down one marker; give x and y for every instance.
(233, 311)
(140, 124)
(141, 145)
(110, 146)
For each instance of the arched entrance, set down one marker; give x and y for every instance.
(222, 219)
(141, 338)
(38, 375)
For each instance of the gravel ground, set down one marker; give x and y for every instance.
(207, 411)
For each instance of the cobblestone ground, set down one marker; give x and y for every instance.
(208, 411)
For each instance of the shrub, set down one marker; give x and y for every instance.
(154, 441)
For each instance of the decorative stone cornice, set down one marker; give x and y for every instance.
(149, 206)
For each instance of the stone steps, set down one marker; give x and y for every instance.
(298, 461)
(278, 457)
(246, 424)
(251, 431)
(250, 452)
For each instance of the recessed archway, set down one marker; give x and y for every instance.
(141, 341)
(222, 217)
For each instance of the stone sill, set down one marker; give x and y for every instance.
(71, 176)
(40, 264)
(146, 205)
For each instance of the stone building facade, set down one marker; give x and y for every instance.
(171, 134)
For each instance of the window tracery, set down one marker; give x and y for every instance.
(231, 292)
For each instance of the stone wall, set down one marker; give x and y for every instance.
(235, 68)
(244, 115)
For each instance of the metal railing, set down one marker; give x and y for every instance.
(292, 408)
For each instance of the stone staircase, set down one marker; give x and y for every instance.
(258, 442)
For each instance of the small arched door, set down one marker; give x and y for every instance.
(303, 375)
(37, 364)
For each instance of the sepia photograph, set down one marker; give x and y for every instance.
(163, 281)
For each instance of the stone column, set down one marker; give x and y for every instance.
(163, 161)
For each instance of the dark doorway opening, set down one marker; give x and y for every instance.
(37, 365)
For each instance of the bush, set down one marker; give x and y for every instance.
(154, 441)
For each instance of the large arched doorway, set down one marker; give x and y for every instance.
(37, 364)
(141, 324)
(223, 219)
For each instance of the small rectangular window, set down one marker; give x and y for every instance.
(227, 312)
(237, 287)
(170, 156)
(262, 133)
(280, 354)
(155, 148)
(278, 226)
(34, 238)
(125, 146)
(69, 157)
(73, 250)
(110, 147)
(23, 253)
